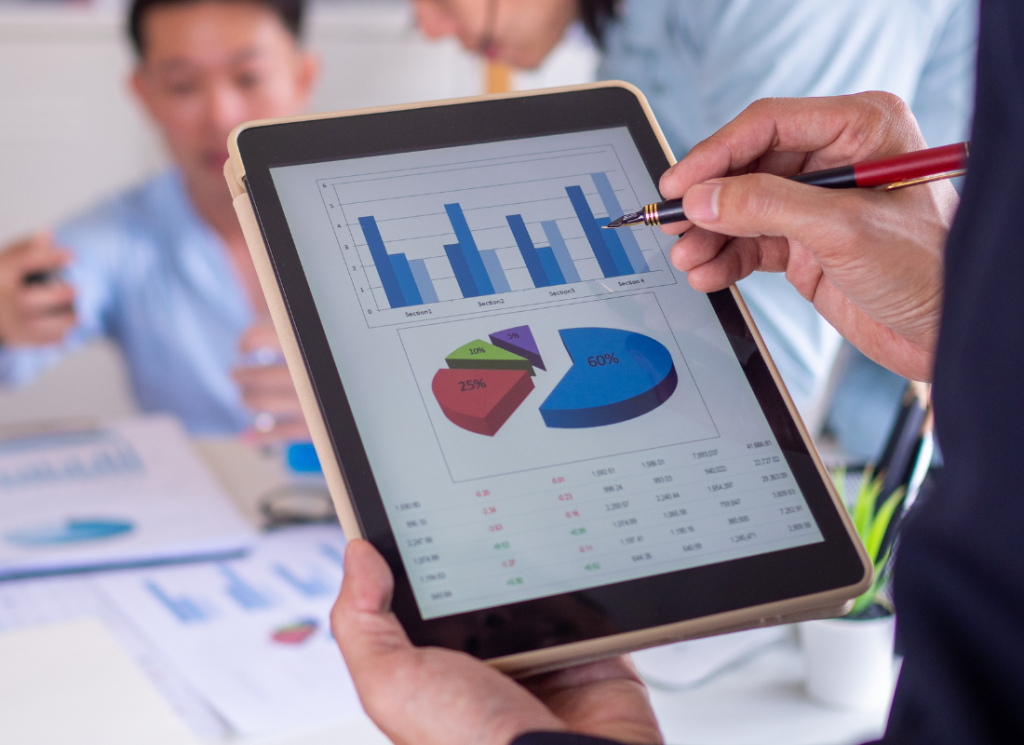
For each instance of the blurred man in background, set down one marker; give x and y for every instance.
(163, 269)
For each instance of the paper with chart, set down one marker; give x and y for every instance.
(546, 404)
(125, 493)
(251, 635)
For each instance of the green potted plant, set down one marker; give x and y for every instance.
(849, 659)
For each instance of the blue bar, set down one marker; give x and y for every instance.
(562, 256)
(473, 259)
(183, 609)
(611, 237)
(495, 271)
(602, 251)
(626, 237)
(522, 236)
(247, 596)
(382, 262)
(405, 279)
(312, 588)
(550, 264)
(423, 282)
(462, 274)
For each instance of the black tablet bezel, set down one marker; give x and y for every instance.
(571, 617)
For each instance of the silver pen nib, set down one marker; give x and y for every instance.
(630, 218)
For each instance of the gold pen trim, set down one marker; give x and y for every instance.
(924, 180)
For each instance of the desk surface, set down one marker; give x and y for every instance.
(760, 701)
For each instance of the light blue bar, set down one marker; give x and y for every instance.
(405, 279)
(247, 596)
(423, 282)
(561, 251)
(182, 608)
(632, 249)
(495, 271)
(607, 194)
(625, 234)
(312, 587)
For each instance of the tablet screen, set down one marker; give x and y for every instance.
(546, 405)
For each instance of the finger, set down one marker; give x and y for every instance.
(613, 668)
(271, 378)
(291, 430)
(739, 258)
(41, 253)
(43, 330)
(361, 619)
(261, 335)
(763, 205)
(837, 130)
(697, 247)
(45, 298)
(281, 405)
(676, 228)
(606, 699)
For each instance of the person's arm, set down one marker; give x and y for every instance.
(431, 696)
(42, 321)
(869, 261)
(267, 388)
(36, 306)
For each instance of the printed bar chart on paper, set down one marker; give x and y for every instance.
(496, 231)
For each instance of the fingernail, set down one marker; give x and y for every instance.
(702, 201)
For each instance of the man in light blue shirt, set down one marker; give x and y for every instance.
(701, 62)
(163, 269)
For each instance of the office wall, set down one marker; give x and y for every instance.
(71, 134)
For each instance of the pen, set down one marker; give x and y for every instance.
(910, 169)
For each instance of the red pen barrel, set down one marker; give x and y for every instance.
(921, 164)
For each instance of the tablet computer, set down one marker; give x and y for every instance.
(561, 449)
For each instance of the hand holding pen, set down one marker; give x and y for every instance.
(910, 169)
(870, 261)
(36, 304)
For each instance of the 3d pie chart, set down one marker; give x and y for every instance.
(615, 376)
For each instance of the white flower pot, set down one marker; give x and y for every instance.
(849, 663)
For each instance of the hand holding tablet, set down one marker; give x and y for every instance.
(561, 449)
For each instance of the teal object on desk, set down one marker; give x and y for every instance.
(301, 458)
(72, 531)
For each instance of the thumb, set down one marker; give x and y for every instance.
(760, 204)
(362, 622)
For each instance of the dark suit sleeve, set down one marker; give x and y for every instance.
(560, 738)
(959, 575)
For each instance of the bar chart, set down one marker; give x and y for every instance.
(480, 232)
